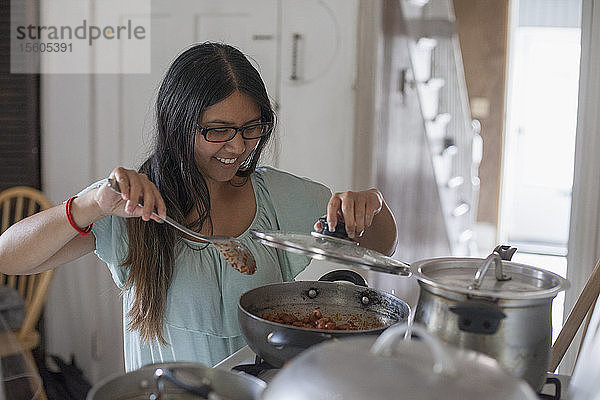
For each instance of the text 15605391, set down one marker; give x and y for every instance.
(41, 47)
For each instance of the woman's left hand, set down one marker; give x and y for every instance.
(355, 209)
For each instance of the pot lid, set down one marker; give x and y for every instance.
(331, 248)
(504, 280)
(393, 368)
(178, 380)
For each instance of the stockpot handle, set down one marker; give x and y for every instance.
(162, 374)
(505, 251)
(386, 344)
(499, 253)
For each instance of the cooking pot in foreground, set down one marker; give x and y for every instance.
(392, 368)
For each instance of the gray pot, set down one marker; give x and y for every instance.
(505, 314)
(371, 309)
(392, 368)
(178, 380)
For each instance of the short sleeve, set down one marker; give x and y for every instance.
(111, 241)
(112, 245)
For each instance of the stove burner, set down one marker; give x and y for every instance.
(255, 369)
(557, 389)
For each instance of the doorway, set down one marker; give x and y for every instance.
(540, 127)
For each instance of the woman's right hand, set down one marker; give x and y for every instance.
(135, 189)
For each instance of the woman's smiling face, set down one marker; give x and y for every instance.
(219, 162)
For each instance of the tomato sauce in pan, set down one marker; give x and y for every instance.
(315, 320)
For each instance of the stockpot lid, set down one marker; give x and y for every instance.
(330, 248)
(504, 280)
(393, 368)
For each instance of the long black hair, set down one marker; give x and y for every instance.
(198, 78)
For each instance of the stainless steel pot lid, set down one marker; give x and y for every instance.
(178, 380)
(504, 280)
(393, 368)
(331, 248)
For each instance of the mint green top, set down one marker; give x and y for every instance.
(201, 323)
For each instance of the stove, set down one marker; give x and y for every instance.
(245, 360)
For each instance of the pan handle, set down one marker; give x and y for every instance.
(344, 275)
(162, 374)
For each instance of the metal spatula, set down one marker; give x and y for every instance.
(232, 250)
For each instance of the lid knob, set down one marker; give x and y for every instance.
(339, 232)
(483, 268)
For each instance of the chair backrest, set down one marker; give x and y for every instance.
(15, 204)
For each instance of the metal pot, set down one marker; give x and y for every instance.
(178, 380)
(392, 368)
(276, 343)
(506, 315)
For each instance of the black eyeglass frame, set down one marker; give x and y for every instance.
(204, 131)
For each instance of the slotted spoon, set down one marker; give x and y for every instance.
(232, 250)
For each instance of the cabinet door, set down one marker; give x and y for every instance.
(125, 103)
(318, 68)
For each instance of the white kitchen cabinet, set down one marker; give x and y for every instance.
(318, 72)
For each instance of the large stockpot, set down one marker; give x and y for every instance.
(370, 309)
(178, 380)
(505, 313)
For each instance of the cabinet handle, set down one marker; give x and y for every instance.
(295, 43)
(263, 36)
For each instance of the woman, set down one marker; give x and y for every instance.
(214, 119)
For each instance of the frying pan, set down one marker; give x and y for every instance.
(370, 309)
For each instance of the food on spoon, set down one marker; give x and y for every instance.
(238, 257)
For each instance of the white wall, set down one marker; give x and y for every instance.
(584, 238)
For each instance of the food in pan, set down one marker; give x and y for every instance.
(315, 320)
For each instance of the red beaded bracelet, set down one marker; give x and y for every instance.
(83, 231)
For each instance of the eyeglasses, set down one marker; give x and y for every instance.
(227, 133)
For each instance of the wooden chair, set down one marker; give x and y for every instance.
(15, 204)
(583, 306)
